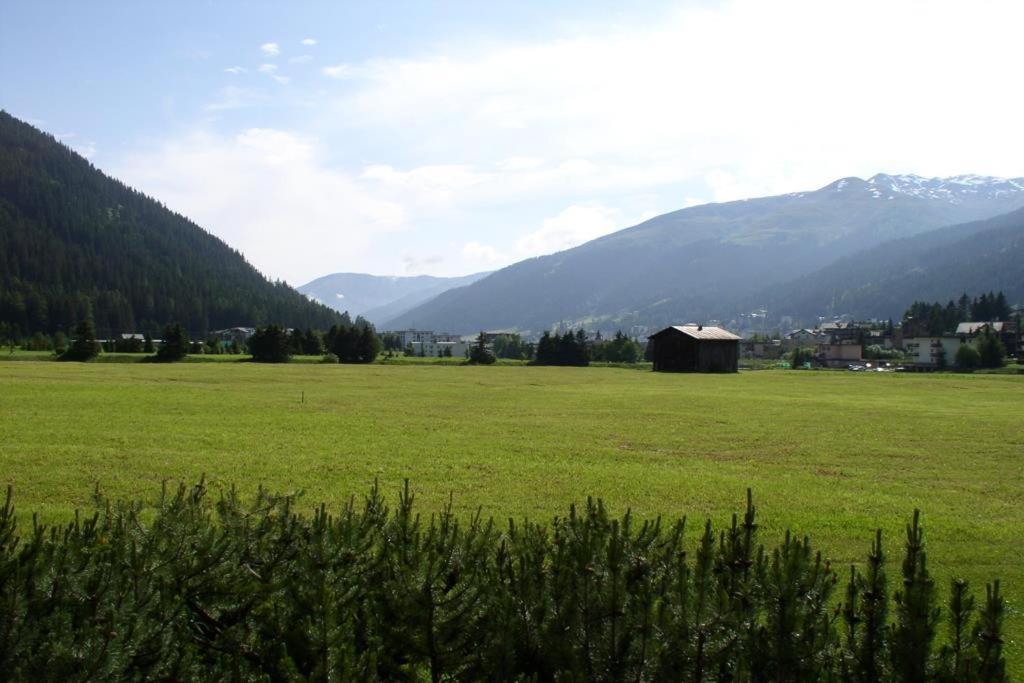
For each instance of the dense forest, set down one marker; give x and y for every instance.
(78, 245)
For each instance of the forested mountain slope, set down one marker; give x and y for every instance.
(699, 262)
(76, 244)
(939, 265)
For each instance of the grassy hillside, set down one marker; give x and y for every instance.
(76, 244)
(832, 455)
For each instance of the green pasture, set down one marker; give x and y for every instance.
(829, 454)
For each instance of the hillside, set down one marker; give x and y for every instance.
(75, 244)
(939, 265)
(380, 298)
(697, 263)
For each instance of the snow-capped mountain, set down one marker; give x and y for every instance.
(954, 189)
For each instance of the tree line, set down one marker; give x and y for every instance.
(923, 319)
(203, 589)
(348, 342)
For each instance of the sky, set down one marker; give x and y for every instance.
(406, 138)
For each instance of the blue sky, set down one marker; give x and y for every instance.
(447, 138)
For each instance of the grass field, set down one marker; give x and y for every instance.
(829, 454)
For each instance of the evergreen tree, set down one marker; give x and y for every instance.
(990, 349)
(369, 345)
(917, 615)
(147, 343)
(270, 344)
(84, 346)
(296, 341)
(233, 587)
(988, 636)
(312, 343)
(354, 342)
(60, 343)
(479, 354)
(964, 307)
(174, 346)
(546, 353)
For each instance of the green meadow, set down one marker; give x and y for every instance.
(831, 455)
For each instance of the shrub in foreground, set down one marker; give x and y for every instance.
(203, 589)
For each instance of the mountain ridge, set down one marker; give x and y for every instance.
(696, 262)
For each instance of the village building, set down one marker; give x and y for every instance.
(839, 355)
(804, 337)
(1007, 332)
(932, 352)
(407, 337)
(233, 334)
(439, 349)
(695, 348)
(425, 340)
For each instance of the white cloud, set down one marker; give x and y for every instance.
(483, 254)
(235, 70)
(419, 265)
(501, 149)
(781, 95)
(268, 193)
(309, 41)
(267, 68)
(519, 164)
(434, 185)
(300, 59)
(271, 49)
(573, 226)
(338, 71)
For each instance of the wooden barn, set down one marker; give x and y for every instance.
(695, 348)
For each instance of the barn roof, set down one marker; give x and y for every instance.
(707, 333)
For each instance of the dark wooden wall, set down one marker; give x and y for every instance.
(678, 352)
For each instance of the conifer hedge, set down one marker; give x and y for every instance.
(204, 589)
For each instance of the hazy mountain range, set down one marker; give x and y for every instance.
(378, 298)
(716, 261)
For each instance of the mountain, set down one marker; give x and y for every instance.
(938, 265)
(76, 244)
(380, 298)
(699, 263)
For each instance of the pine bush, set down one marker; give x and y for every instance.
(225, 589)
